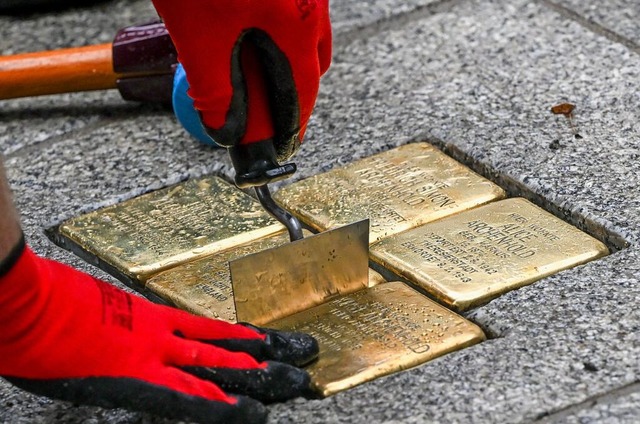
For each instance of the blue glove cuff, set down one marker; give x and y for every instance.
(184, 110)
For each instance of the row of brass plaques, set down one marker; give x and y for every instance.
(434, 224)
(397, 190)
(441, 227)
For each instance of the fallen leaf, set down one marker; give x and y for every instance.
(563, 109)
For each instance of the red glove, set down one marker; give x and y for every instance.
(254, 69)
(66, 335)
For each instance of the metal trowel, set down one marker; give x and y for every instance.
(281, 281)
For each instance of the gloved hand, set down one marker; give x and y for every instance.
(253, 66)
(66, 335)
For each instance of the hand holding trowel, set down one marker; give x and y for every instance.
(255, 83)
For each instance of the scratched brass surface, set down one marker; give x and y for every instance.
(203, 286)
(375, 278)
(397, 190)
(467, 259)
(272, 284)
(375, 332)
(151, 233)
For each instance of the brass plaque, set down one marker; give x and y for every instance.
(274, 283)
(143, 236)
(203, 287)
(375, 332)
(375, 278)
(397, 190)
(468, 259)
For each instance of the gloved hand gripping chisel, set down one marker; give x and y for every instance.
(254, 79)
(256, 162)
(254, 74)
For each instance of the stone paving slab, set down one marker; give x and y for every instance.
(94, 24)
(116, 161)
(350, 15)
(618, 16)
(478, 79)
(623, 410)
(31, 121)
(485, 87)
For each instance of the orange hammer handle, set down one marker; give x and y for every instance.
(58, 71)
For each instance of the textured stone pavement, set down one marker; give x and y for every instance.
(474, 77)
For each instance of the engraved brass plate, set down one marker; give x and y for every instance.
(203, 286)
(398, 190)
(468, 259)
(274, 283)
(375, 332)
(375, 278)
(143, 236)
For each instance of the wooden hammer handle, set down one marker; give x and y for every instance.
(58, 71)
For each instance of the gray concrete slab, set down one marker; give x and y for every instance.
(30, 123)
(487, 91)
(477, 79)
(122, 159)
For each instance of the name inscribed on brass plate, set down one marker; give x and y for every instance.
(375, 332)
(397, 190)
(470, 258)
(148, 234)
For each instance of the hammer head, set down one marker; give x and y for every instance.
(147, 58)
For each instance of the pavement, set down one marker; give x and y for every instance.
(474, 77)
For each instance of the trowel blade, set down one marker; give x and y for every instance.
(278, 282)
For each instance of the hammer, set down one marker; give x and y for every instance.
(140, 63)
